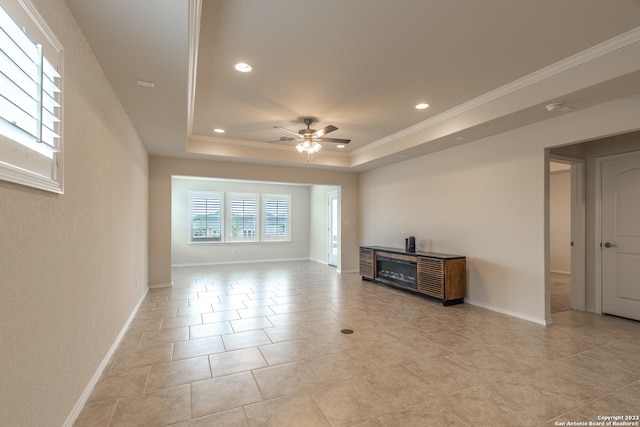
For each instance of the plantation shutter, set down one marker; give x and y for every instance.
(276, 216)
(206, 217)
(29, 107)
(243, 216)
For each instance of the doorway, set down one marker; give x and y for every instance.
(332, 212)
(566, 234)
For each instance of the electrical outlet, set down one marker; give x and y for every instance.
(137, 282)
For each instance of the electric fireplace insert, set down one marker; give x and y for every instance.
(397, 271)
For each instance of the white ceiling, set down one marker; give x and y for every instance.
(361, 65)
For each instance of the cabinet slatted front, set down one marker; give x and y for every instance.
(366, 263)
(440, 276)
(431, 277)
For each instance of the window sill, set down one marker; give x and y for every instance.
(233, 242)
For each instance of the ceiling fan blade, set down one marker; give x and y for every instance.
(324, 131)
(288, 131)
(338, 140)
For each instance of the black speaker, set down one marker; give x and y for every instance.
(410, 244)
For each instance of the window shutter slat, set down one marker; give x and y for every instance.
(50, 72)
(22, 53)
(14, 72)
(17, 116)
(15, 33)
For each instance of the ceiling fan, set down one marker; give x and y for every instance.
(312, 135)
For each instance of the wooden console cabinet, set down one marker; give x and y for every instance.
(436, 275)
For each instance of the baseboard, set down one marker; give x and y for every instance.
(161, 285)
(501, 310)
(560, 271)
(73, 416)
(199, 264)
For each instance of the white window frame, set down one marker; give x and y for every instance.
(209, 195)
(231, 233)
(31, 141)
(266, 198)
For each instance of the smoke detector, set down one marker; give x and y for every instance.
(555, 106)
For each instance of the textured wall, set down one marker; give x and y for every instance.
(69, 263)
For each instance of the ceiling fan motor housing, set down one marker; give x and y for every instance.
(307, 131)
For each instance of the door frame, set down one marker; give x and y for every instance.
(578, 230)
(597, 244)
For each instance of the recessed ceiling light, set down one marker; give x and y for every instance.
(422, 106)
(242, 67)
(341, 146)
(218, 130)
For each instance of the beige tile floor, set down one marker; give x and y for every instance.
(261, 345)
(560, 292)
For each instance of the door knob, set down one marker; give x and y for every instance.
(610, 245)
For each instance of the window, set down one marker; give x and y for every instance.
(243, 217)
(219, 217)
(276, 216)
(206, 217)
(30, 99)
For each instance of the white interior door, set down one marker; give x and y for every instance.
(620, 251)
(333, 228)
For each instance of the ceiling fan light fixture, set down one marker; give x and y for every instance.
(310, 147)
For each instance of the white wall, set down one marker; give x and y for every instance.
(69, 263)
(482, 200)
(486, 200)
(185, 253)
(560, 221)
